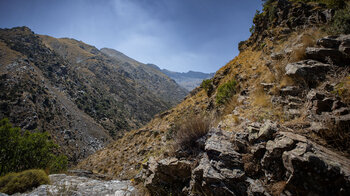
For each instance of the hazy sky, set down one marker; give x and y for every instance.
(178, 35)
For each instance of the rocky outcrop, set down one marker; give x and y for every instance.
(226, 166)
(62, 184)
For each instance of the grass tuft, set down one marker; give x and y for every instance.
(23, 181)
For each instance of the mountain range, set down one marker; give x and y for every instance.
(84, 97)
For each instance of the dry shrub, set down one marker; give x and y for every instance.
(231, 105)
(277, 188)
(337, 135)
(308, 39)
(189, 131)
(260, 98)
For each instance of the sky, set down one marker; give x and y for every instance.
(178, 35)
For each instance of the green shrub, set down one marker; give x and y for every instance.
(23, 181)
(22, 150)
(341, 22)
(207, 85)
(226, 91)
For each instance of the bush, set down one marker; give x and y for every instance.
(22, 150)
(226, 91)
(341, 22)
(22, 182)
(190, 131)
(207, 85)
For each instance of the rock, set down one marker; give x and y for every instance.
(168, 175)
(345, 47)
(62, 184)
(267, 130)
(326, 55)
(272, 160)
(290, 90)
(219, 146)
(256, 188)
(312, 169)
(277, 56)
(343, 122)
(329, 42)
(309, 70)
(324, 105)
(261, 132)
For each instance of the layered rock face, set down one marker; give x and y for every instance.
(280, 163)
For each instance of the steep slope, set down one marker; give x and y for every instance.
(148, 77)
(79, 94)
(33, 85)
(281, 128)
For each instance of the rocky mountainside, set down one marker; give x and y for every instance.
(189, 80)
(77, 93)
(279, 117)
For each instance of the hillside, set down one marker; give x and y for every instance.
(81, 96)
(278, 114)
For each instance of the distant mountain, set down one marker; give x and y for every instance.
(82, 96)
(188, 80)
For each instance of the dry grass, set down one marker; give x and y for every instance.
(337, 135)
(260, 98)
(190, 130)
(307, 39)
(277, 188)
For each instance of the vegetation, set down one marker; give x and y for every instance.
(23, 181)
(207, 85)
(341, 22)
(342, 89)
(190, 131)
(226, 91)
(22, 150)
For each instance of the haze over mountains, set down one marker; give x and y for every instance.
(189, 80)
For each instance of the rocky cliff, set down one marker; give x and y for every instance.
(279, 115)
(80, 95)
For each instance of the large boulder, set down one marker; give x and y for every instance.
(168, 175)
(310, 71)
(326, 55)
(312, 169)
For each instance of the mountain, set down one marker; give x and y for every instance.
(83, 97)
(189, 80)
(273, 121)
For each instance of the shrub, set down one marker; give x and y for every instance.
(207, 85)
(226, 91)
(22, 150)
(23, 181)
(189, 131)
(341, 22)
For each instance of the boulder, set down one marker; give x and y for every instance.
(312, 169)
(329, 42)
(309, 70)
(326, 55)
(168, 175)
